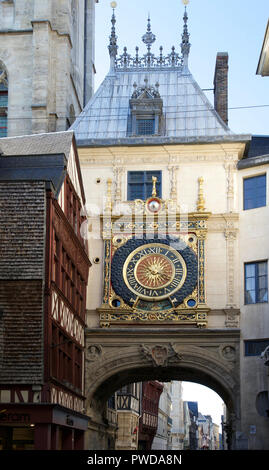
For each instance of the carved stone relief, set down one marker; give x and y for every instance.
(160, 354)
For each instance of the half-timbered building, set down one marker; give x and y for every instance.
(44, 269)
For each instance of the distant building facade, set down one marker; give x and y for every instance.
(177, 416)
(149, 413)
(162, 439)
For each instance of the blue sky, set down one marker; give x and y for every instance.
(233, 26)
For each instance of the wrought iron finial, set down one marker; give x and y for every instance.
(149, 61)
(113, 47)
(185, 44)
(149, 38)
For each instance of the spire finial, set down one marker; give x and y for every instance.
(113, 47)
(185, 45)
(149, 38)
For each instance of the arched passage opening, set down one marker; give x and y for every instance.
(153, 414)
(115, 367)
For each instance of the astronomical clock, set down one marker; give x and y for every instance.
(154, 266)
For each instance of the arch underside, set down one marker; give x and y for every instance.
(162, 374)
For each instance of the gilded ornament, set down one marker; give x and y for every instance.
(201, 199)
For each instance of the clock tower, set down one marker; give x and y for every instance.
(154, 265)
(162, 172)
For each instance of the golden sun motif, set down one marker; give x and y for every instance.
(154, 271)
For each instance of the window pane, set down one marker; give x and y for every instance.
(140, 184)
(250, 270)
(262, 269)
(136, 191)
(250, 284)
(145, 126)
(256, 282)
(135, 176)
(149, 174)
(255, 348)
(263, 295)
(254, 192)
(250, 297)
(262, 282)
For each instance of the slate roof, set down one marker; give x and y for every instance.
(41, 146)
(188, 112)
(36, 144)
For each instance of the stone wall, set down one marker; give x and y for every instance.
(42, 47)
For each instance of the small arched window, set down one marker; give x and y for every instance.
(3, 101)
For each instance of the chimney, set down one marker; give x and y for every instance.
(221, 86)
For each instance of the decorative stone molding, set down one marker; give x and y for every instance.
(227, 352)
(173, 182)
(160, 354)
(230, 234)
(232, 318)
(94, 353)
(230, 168)
(118, 171)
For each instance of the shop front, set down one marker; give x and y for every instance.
(41, 427)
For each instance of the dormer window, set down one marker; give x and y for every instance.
(145, 126)
(146, 108)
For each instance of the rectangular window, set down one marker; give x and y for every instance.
(140, 184)
(254, 192)
(255, 347)
(145, 126)
(256, 282)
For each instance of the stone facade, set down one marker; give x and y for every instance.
(48, 55)
(202, 165)
(177, 415)
(162, 440)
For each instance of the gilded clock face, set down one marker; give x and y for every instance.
(154, 271)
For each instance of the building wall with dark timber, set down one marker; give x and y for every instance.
(22, 266)
(21, 325)
(22, 229)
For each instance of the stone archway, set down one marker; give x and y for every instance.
(116, 357)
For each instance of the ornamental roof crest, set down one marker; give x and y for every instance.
(149, 61)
